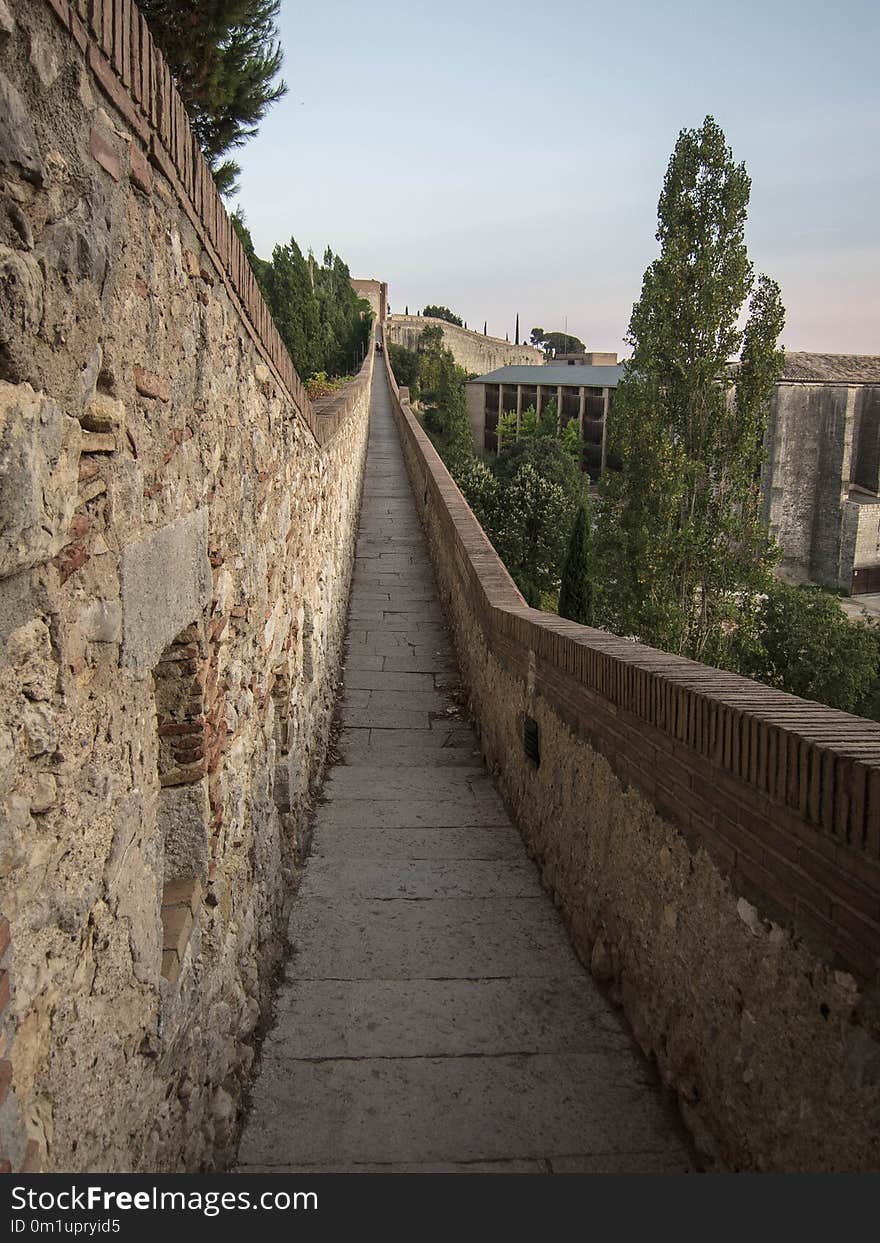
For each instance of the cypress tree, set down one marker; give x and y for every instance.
(517, 328)
(576, 589)
(295, 308)
(485, 333)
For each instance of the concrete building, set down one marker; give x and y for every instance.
(821, 480)
(584, 392)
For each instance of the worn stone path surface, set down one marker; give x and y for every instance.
(434, 1016)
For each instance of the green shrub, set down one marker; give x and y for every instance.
(809, 647)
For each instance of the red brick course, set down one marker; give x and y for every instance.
(105, 154)
(150, 385)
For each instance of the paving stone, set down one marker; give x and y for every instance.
(406, 1167)
(386, 718)
(384, 700)
(401, 642)
(667, 1161)
(441, 735)
(365, 613)
(420, 879)
(416, 624)
(444, 1018)
(362, 679)
(453, 1109)
(351, 939)
(500, 842)
(390, 781)
(404, 600)
(419, 662)
(359, 659)
(354, 748)
(411, 813)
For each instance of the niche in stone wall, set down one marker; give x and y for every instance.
(308, 635)
(183, 812)
(865, 469)
(292, 760)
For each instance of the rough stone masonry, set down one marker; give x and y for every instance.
(175, 549)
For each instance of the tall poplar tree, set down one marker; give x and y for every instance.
(682, 544)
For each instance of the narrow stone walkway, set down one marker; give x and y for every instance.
(434, 1016)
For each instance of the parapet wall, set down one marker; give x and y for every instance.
(470, 350)
(176, 539)
(713, 844)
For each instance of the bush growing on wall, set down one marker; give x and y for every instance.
(808, 646)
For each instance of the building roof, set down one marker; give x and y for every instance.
(553, 374)
(832, 368)
(800, 368)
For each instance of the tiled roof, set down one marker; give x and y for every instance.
(832, 368)
(592, 377)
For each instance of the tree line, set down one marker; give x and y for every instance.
(322, 321)
(671, 549)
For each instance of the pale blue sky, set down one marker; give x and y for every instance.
(508, 157)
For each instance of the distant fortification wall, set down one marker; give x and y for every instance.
(470, 350)
(176, 538)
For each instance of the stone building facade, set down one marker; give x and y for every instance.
(821, 480)
(176, 537)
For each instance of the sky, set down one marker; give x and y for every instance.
(507, 158)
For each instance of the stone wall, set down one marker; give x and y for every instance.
(176, 537)
(714, 846)
(470, 350)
